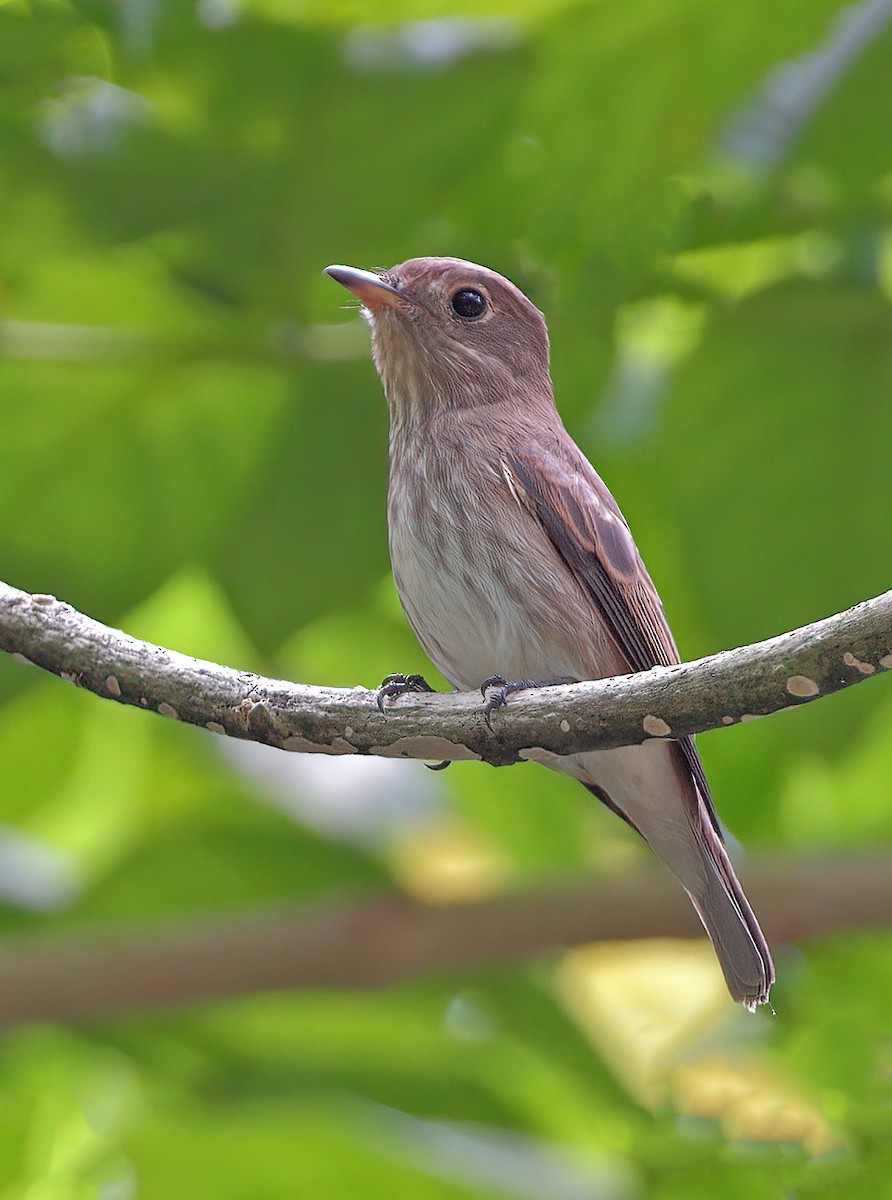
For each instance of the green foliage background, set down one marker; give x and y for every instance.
(194, 448)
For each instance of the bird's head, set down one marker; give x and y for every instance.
(449, 333)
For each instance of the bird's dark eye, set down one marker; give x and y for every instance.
(468, 304)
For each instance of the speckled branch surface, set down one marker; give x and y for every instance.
(736, 685)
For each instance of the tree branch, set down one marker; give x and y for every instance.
(737, 685)
(384, 939)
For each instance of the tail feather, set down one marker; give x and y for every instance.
(655, 789)
(738, 941)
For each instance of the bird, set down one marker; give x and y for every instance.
(515, 566)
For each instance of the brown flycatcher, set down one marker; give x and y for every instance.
(513, 561)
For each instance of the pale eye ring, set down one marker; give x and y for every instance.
(468, 303)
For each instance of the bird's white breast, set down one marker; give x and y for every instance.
(481, 585)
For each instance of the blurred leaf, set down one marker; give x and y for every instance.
(194, 447)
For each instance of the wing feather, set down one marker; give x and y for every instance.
(586, 527)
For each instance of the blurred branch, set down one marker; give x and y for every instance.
(285, 342)
(741, 684)
(736, 685)
(761, 133)
(44, 342)
(376, 941)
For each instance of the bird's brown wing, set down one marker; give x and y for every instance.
(588, 531)
(586, 527)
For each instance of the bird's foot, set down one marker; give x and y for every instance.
(396, 685)
(393, 686)
(495, 691)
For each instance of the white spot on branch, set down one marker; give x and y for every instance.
(656, 726)
(214, 726)
(112, 686)
(168, 710)
(865, 668)
(801, 685)
(886, 662)
(727, 720)
(427, 746)
(565, 725)
(302, 745)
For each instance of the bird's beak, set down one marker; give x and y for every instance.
(370, 288)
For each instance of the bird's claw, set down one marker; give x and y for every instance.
(495, 691)
(396, 685)
(393, 686)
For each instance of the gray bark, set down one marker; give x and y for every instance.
(723, 689)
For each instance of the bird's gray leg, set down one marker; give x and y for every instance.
(396, 685)
(495, 691)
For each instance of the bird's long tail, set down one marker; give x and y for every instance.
(669, 805)
(723, 908)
